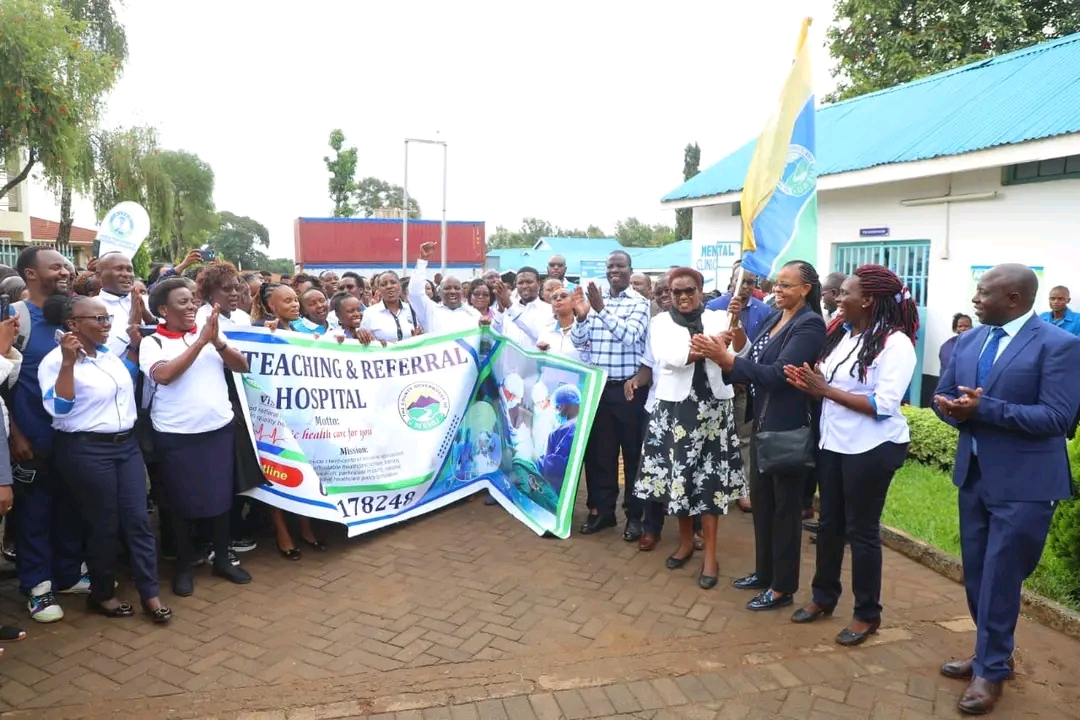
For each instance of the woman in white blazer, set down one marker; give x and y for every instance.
(690, 463)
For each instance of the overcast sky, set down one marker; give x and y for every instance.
(574, 112)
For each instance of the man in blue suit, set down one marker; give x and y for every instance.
(1009, 392)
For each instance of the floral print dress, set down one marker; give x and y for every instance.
(690, 462)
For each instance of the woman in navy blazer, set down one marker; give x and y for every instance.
(792, 335)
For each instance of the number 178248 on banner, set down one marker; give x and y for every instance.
(360, 505)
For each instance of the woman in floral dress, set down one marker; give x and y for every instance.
(690, 463)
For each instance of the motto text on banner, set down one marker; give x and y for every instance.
(370, 436)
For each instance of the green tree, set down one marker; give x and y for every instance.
(504, 238)
(592, 232)
(881, 43)
(191, 184)
(127, 167)
(102, 34)
(238, 239)
(342, 169)
(684, 217)
(51, 87)
(631, 232)
(281, 266)
(373, 194)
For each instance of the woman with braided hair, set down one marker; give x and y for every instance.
(864, 373)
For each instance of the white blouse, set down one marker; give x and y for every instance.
(104, 400)
(236, 317)
(384, 325)
(848, 432)
(559, 342)
(198, 400)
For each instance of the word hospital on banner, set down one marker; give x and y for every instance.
(371, 436)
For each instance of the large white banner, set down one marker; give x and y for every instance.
(370, 436)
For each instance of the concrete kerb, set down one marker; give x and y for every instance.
(1038, 608)
(1042, 610)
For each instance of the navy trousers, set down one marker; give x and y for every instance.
(1001, 543)
(50, 535)
(109, 481)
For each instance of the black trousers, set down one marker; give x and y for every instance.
(108, 481)
(777, 509)
(853, 491)
(618, 427)
(809, 488)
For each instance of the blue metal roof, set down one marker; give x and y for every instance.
(598, 247)
(665, 257)
(1025, 95)
(652, 258)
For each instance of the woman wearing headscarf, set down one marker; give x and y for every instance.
(792, 335)
(90, 394)
(866, 367)
(193, 424)
(690, 462)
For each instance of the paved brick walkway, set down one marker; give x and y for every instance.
(466, 614)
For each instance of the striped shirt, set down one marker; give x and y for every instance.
(615, 336)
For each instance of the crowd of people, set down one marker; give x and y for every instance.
(120, 403)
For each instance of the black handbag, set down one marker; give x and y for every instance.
(144, 426)
(247, 470)
(786, 452)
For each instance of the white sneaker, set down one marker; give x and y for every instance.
(80, 588)
(42, 604)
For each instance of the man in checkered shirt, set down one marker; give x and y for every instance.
(613, 326)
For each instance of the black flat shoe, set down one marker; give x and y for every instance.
(10, 633)
(708, 582)
(848, 638)
(596, 523)
(292, 554)
(750, 582)
(674, 563)
(232, 573)
(123, 610)
(633, 531)
(803, 616)
(183, 583)
(317, 544)
(160, 616)
(768, 600)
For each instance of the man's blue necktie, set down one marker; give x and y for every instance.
(989, 355)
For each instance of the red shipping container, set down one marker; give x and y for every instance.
(375, 243)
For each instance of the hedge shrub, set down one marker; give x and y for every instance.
(933, 443)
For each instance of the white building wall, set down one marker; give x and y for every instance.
(1036, 224)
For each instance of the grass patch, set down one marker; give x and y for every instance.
(922, 503)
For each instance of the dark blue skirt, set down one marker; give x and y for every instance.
(197, 471)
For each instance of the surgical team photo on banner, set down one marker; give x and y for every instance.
(371, 436)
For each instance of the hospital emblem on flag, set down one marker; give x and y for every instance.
(800, 173)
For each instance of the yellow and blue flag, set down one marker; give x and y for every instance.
(779, 197)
